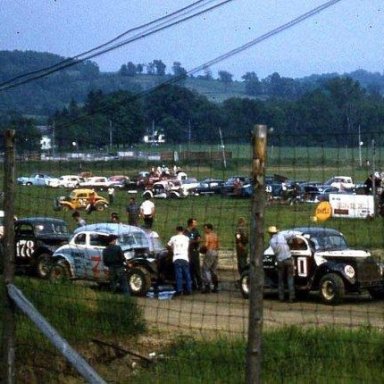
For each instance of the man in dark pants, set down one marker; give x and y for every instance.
(241, 240)
(113, 258)
(133, 212)
(285, 264)
(194, 255)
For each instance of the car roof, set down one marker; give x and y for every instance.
(316, 231)
(109, 228)
(39, 220)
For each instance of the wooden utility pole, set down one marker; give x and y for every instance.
(8, 371)
(256, 275)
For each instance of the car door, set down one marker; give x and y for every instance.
(25, 243)
(87, 256)
(302, 253)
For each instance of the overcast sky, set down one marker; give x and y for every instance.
(343, 38)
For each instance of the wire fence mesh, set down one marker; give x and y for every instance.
(198, 338)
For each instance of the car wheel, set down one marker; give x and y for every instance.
(29, 183)
(59, 272)
(100, 207)
(376, 292)
(43, 265)
(139, 281)
(244, 284)
(332, 289)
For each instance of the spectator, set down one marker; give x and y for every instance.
(133, 212)
(115, 218)
(285, 264)
(210, 259)
(179, 244)
(194, 256)
(147, 211)
(113, 258)
(111, 195)
(241, 240)
(80, 222)
(91, 203)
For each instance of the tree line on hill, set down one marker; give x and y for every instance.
(87, 108)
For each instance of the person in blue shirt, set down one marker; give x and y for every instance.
(285, 264)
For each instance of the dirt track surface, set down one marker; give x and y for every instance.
(226, 312)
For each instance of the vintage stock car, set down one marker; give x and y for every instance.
(82, 258)
(324, 263)
(36, 238)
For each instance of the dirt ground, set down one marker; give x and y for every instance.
(227, 312)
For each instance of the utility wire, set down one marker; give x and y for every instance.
(235, 51)
(118, 37)
(38, 74)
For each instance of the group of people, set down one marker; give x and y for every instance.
(187, 245)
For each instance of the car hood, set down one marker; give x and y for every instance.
(347, 253)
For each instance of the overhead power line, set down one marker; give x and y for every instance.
(235, 51)
(162, 24)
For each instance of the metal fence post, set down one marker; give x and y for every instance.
(256, 276)
(8, 370)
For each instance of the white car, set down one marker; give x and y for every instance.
(340, 182)
(66, 181)
(96, 182)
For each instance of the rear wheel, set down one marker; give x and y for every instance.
(59, 272)
(332, 289)
(100, 206)
(139, 281)
(244, 284)
(43, 265)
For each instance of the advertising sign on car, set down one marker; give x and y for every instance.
(352, 206)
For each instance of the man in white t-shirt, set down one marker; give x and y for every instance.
(179, 244)
(147, 211)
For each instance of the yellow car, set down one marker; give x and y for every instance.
(81, 199)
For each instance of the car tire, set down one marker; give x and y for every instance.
(244, 284)
(59, 272)
(376, 293)
(28, 184)
(139, 281)
(332, 289)
(43, 265)
(100, 207)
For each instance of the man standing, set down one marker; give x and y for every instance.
(241, 239)
(133, 212)
(179, 243)
(210, 259)
(194, 256)
(113, 258)
(111, 195)
(147, 211)
(285, 265)
(80, 222)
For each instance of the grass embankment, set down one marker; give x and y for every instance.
(80, 314)
(290, 355)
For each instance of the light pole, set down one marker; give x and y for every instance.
(361, 143)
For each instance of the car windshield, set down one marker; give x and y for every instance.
(136, 239)
(51, 228)
(329, 242)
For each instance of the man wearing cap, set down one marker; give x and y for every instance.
(285, 265)
(113, 258)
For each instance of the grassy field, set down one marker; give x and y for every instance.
(290, 354)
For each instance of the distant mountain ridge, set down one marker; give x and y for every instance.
(43, 96)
